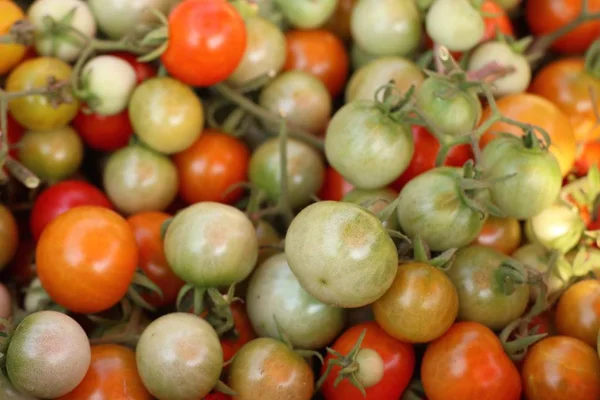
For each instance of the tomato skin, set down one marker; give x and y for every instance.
(578, 312)
(320, 53)
(95, 251)
(215, 47)
(147, 230)
(209, 168)
(587, 158)
(334, 186)
(10, 54)
(143, 71)
(9, 236)
(112, 375)
(104, 133)
(15, 134)
(244, 331)
(339, 23)
(502, 234)
(545, 16)
(469, 363)
(398, 358)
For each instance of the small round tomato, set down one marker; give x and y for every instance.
(578, 311)
(10, 54)
(143, 71)
(211, 166)
(7, 390)
(334, 186)
(558, 227)
(469, 363)
(232, 342)
(207, 53)
(15, 134)
(112, 375)
(546, 16)
(147, 228)
(501, 234)
(6, 302)
(339, 23)
(104, 133)
(59, 198)
(393, 361)
(560, 367)
(589, 155)
(456, 24)
(86, 259)
(320, 53)
(9, 236)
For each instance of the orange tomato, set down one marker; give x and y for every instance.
(536, 110)
(566, 83)
(146, 227)
(578, 312)
(112, 375)
(10, 54)
(243, 332)
(588, 156)
(502, 234)
(86, 259)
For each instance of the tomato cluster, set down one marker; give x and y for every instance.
(294, 199)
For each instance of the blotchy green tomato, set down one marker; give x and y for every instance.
(166, 114)
(52, 155)
(48, 355)
(307, 14)
(179, 357)
(375, 201)
(37, 112)
(341, 254)
(365, 82)
(557, 227)
(274, 293)
(480, 296)
(305, 171)
(137, 179)
(366, 146)
(8, 392)
(211, 245)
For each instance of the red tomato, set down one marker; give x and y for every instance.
(207, 40)
(589, 155)
(320, 53)
(243, 332)
(60, 198)
(209, 168)
(217, 396)
(469, 363)
(104, 133)
(15, 133)
(147, 230)
(334, 186)
(143, 71)
(426, 149)
(398, 364)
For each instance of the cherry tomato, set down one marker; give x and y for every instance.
(10, 54)
(104, 133)
(231, 342)
(209, 168)
(217, 396)
(15, 134)
(469, 363)
(589, 155)
(546, 16)
(395, 359)
(112, 375)
(339, 23)
(578, 311)
(502, 234)
(202, 54)
(335, 187)
(143, 71)
(147, 228)
(320, 53)
(86, 259)
(9, 236)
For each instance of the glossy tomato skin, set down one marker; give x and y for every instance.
(578, 311)
(60, 198)
(469, 363)
(143, 71)
(10, 54)
(86, 259)
(112, 375)
(211, 166)
(398, 359)
(561, 367)
(545, 16)
(502, 234)
(202, 54)
(104, 133)
(147, 230)
(335, 187)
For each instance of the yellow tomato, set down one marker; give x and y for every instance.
(10, 54)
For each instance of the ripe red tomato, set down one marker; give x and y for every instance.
(397, 358)
(207, 40)
(15, 133)
(589, 155)
(217, 396)
(469, 363)
(334, 186)
(244, 332)
(545, 16)
(143, 71)
(60, 198)
(320, 53)
(147, 230)
(209, 168)
(104, 133)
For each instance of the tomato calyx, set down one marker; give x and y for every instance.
(131, 322)
(472, 189)
(141, 285)
(421, 253)
(60, 31)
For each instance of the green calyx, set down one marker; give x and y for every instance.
(61, 32)
(422, 254)
(395, 104)
(473, 190)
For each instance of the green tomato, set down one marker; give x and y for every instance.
(360, 57)
(8, 392)
(456, 24)
(307, 14)
(558, 227)
(374, 201)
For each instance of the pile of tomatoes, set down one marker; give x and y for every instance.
(300, 199)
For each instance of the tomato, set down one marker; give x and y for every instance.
(86, 259)
(360, 57)
(588, 157)
(37, 112)
(546, 16)
(396, 365)
(375, 201)
(147, 230)
(215, 48)
(9, 236)
(307, 14)
(458, 25)
(339, 23)
(10, 54)
(104, 133)
(501, 234)
(276, 297)
(143, 71)
(420, 306)
(179, 357)
(266, 368)
(341, 254)
(334, 186)
(217, 396)
(561, 367)
(6, 302)
(578, 312)
(320, 53)
(112, 375)
(15, 134)
(267, 235)
(8, 392)
(532, 109)
(566, 83)
(59, 198)
(209, 168)
(243, 332)
(44, 343)
(557, 227)
(469, 363)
